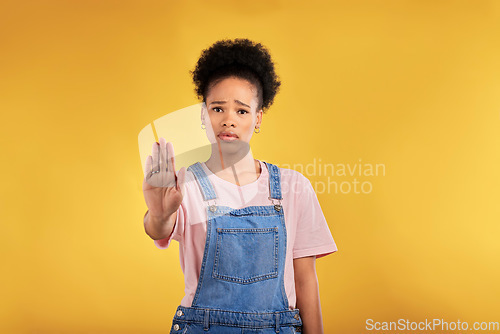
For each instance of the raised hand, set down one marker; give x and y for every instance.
(163, 189)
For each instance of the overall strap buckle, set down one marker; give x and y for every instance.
(274, 186)
(212, 207)
(276, 203)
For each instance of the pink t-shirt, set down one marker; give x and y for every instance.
(307, 231)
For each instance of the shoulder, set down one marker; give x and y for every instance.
(292, 175)
(292, 180)
(190, 183)
(189, 176)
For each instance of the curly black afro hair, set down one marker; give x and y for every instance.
(240, 58)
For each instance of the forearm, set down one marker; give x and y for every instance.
(159, 227)
(307, 291)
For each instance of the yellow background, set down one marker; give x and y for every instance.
(413, 85)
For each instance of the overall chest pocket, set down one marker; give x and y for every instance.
(246, 255)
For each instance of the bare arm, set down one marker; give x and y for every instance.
(307, 291)
(158, 227)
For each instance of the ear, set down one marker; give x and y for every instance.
(259, 118)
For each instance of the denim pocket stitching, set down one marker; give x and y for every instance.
(252, 278)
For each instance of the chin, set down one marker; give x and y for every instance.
(233, 147)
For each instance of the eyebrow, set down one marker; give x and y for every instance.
(222, 102)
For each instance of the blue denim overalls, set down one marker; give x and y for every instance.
(241, 285)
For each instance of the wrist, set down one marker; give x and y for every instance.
(159, 227)
(164, 217)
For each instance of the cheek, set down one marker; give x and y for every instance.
(249, 125)
(249, 130)
(214, 119)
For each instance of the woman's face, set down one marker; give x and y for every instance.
(231, 110)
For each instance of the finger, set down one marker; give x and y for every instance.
(171, 158)
(163, 162)
(181, 180)
(163, 154)
(154, 156)
(148, 165)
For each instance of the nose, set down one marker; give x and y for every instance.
(228, 120)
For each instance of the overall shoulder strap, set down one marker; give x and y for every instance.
(201, 177)
(274, 180)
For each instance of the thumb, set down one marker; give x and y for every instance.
(181, 177)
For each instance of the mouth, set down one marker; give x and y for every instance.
(227, 136)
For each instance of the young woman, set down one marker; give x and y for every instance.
(249, 232)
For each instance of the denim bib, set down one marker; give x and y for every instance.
(241, 286)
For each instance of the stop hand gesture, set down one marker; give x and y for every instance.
(163, 189)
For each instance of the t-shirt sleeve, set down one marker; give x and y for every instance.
(313, 235)
(177, 232)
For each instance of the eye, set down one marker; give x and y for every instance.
(216, 108)
(242, 111)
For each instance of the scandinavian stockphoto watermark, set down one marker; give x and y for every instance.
(430, 325)
(340, 178)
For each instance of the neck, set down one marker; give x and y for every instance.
(234, 161)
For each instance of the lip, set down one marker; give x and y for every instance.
(227, 136)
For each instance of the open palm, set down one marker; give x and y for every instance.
(163, 189)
